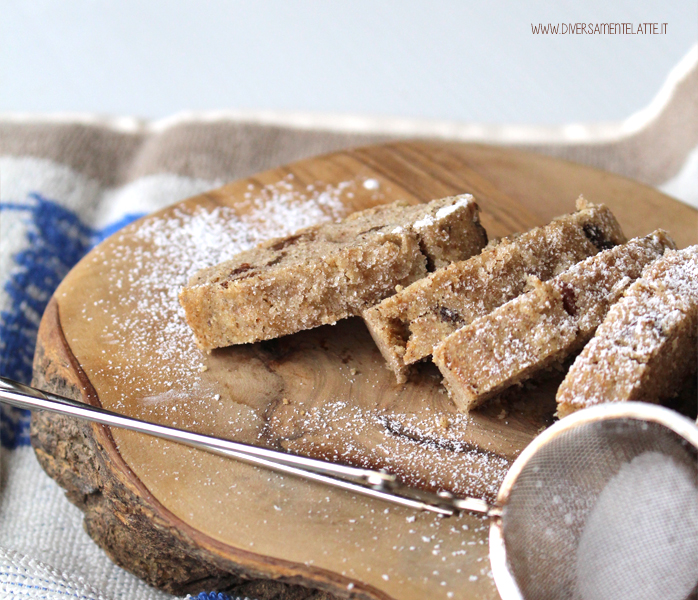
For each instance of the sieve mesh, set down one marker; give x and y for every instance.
(606, 510)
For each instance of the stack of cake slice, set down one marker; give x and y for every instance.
(490, 318)
(407, 326)
(542, 328)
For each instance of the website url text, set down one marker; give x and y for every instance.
(599, 28)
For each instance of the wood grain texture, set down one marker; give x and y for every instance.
(113, 336)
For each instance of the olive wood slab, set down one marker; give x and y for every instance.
(186, 521)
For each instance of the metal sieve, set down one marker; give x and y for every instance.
(601, 505)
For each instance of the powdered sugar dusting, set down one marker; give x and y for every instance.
(428, 220)
(158, 258)
(540, 328)
(130, 336)
(411, 446)
(656, 317)
(154, 261)
(280, 209)
(425, 221)
(462, 202)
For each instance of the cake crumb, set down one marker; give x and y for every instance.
(442, 422)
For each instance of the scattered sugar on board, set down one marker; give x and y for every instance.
(434, 460)
(279, 209)
(156, 261)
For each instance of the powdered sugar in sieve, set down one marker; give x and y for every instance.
(633, 546)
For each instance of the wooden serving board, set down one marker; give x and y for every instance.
(113, 335)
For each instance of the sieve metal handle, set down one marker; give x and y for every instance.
(375, 484)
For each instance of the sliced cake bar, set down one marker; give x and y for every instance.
(328, 272)
(647, 345)
(543, 327)
(407, 326)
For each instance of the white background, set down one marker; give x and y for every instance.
(456, 60)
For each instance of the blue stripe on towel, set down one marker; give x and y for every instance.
(57, 240)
